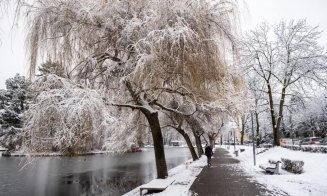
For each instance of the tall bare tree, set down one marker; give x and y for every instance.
(286, 57)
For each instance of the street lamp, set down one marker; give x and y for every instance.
(234, 143)
(233, 127)
(229, 133)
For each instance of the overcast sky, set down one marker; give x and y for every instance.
(12, 51)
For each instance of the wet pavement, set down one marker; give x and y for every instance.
(226, 178)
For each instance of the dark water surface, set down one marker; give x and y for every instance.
(83, 175)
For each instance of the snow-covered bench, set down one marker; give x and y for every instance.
(272, 166)
(156, 185)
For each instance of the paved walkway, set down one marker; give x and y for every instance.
(225, 178)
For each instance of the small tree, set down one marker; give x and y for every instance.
(13, 103)
(50, 67)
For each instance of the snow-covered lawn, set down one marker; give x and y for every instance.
(183, 177)
(313, 181)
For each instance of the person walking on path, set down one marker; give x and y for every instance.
(208, 153)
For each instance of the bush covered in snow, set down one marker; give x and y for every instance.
(292, 166)
(65, 117)
(307, 148)
(11, 138)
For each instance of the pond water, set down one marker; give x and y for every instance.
(83, 175)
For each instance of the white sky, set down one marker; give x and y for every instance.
(12, 49)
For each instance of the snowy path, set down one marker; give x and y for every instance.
(226, 178)
(312, 182)
(183, 177)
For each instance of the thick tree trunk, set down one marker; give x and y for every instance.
(277, 121)
(197, 131)
(242, 136)
(212, 141)
(244, 119)
(198, 144)
(281, 106)
(273, 117)
(153, 120)
(189, 143)
(159, 152)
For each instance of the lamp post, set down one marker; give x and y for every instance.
(228, 140)
(253, 138)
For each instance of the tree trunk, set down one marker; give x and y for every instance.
(198, 144)
(257, 128)
(189, 143)
(273, 117)
(242, 136)
(159, 152)
(197, 131)
(212, 141)
(281, 107)
(153, 120)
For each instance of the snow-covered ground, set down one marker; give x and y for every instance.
(313, 181)
(2, 148)
(183, 176)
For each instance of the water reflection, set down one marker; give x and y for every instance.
(89, 175)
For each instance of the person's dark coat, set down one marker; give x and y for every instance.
(208, 151)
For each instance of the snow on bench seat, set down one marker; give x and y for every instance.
(267, 166)
(272, 166)
(156, 185)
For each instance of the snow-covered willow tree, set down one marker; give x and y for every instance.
(65, 118)
(288, 58)
(140, 53)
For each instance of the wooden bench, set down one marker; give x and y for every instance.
(272, 166)
(156, 185)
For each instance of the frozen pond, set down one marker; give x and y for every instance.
(83, 175)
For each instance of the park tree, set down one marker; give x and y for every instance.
(176, 120)
(258, 102)
(245, 117)
(213, 119)
(310, 119)
(139, 53)
(13, 103)
(286, 57)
